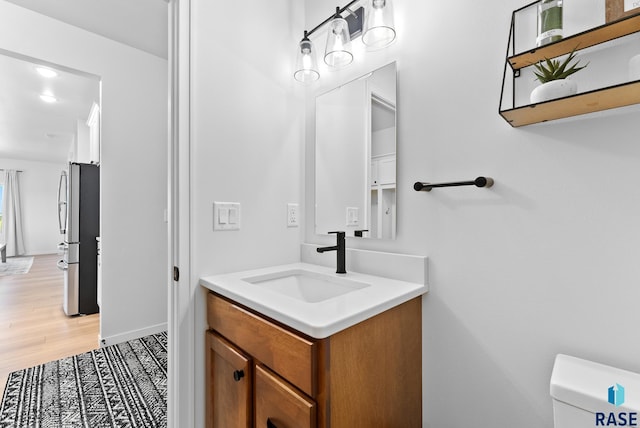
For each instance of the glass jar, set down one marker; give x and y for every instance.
(549, 22)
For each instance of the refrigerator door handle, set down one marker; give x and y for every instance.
(62, 218)
(62, 265)
(62, 203)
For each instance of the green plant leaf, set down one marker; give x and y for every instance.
(541, 78)
(569, 72)
(561, 67)
(553, 69)
(544, 72)
(550, 65)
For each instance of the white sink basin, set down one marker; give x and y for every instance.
(313, 299)
(307, 286)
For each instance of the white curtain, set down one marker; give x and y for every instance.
(12, 215)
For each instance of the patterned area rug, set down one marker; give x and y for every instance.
(123, 385)
(16, 266)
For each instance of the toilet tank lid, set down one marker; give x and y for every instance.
(585, 384)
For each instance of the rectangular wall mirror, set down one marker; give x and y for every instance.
(355, 157)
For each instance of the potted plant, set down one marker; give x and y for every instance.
(553, 75)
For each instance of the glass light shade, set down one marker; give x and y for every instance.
(338, 51)
(306, 64)
(379, 30)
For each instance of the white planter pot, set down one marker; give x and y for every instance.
(554, 89)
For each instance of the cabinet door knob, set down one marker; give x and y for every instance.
(270, 424)
(238, 374)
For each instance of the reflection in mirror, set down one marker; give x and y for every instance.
(356, 157)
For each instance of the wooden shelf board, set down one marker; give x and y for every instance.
(583, 40)
(589, 102)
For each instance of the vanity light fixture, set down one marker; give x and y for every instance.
(338, 51)
(379, 31)
(306, 64)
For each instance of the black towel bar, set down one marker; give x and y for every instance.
(478, 182)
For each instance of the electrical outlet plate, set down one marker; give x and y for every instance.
(292, 215)
(226, 216)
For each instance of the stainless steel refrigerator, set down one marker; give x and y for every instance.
(79, 219)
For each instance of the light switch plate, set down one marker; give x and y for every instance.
(352, 216)
(226, 216)
(292, 215)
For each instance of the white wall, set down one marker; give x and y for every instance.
(247, 141)
(133, 162)
(39, 197)
(82, 142)
(545, 262)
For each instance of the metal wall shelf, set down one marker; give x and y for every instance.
(586, 39)
(588, 102)
(605, 98)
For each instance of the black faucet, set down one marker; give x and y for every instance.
(340, 249)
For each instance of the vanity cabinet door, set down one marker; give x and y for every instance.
(288, 354)
(229, 385)
(280, 405)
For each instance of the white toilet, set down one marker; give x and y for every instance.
(580, 393)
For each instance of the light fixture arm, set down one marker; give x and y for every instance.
(350, 12)
(338, 12)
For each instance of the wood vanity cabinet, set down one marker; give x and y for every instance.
(263, 374)
(229, 384)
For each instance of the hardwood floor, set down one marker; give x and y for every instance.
(33, 326)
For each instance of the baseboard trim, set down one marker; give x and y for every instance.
(133, 334)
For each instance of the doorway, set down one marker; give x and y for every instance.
(45, 108)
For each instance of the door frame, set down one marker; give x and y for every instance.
(181, 402)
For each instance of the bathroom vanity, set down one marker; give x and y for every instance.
(347, 358)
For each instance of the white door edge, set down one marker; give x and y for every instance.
(181, 319)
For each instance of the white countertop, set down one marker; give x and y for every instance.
(320, 319)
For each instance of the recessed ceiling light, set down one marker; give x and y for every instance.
(48, 98)
(46, 72)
